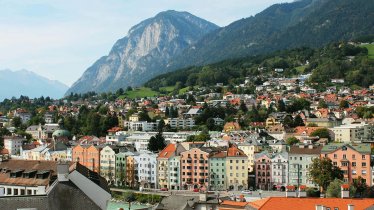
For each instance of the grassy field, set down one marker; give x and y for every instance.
(167, 89)
(300, 69)
(370, 48)
(140, 93)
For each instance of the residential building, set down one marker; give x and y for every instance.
(300, 158)
(231, 126)
(131, 173)
(279, 165)
(250, 148)
(236, 168)
(108, 163)
(147, 169)
(194, 169)
(13, 144)
(352, 159)
(263, 171)
(120, 173)
(88, 156)
(181, 123)
(356, 132)
(217, 163)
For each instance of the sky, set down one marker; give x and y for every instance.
(60, 39)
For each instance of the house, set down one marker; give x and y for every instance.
(352, 159)
(231, 126)
(13, 144)
(236, 169)
(263, 171)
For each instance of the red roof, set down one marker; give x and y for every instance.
(233, 151)
(4, 152)
(282, 203)
(114, 129)
(168, 151)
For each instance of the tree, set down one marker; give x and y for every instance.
(243, 107)
(322, 104)
(298, 121)
(322, 172)
(321, 133)
(360, 186)
(130, 197)
(160, 126)
(334, 189)
(281, 106)
(210, 124)
(156, 143)
(288, 121)
(292, 140)
(343, 104)
(17, 122)
(167, 112)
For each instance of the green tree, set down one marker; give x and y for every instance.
(156, 143)
(129, 198)
(322, 133)
(281, 106)
(298, 121)
(17, 122)
(322, 104)
(288, 121)
(292, 140)
(360, 186)
(243, 107)
(161, 126)
(343, 104)
(334, 189)
(322, 172)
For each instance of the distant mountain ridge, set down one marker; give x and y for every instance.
(144, 52)
(310, 23)
(27, 83)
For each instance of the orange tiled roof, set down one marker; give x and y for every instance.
(281, 203)
(168, 151)
(233, 151)
(234, 203)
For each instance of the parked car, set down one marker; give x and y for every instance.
(164, 189)
(248, 192)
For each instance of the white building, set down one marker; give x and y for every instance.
(180, 123)
(279, 165)
(355, 132)
(13, 144)
(140, 125)
(147, 169)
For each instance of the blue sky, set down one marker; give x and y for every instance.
(60, 39)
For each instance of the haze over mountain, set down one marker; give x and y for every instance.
(174, 40)
(27, 83)
(144, 52)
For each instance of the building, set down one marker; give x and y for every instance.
(279, 165)
(13, 144)
(357, 132)
(147, 169)
(263, 171)
(108, 163)
(131, 173)
(120, 173)
(141, 125)
(231, 126)
(236, 169)
(300, 157)
(217, 165)
(180, 123)
(194, 169)
(42, 132)
(352, 159)
(250, 147)
(88, 156)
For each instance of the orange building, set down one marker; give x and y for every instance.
(131, 179)
(352, 159)
(87, 155)
(194, 170)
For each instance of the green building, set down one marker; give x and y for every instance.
(120, 169)
(217, 163)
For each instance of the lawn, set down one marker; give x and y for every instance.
(167, 89)
(370, 48)
(300, 69)
(140, 93)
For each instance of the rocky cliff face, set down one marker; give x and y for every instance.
(144, 53)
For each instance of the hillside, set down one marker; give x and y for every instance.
(305, 23)
(144, 52)
(338, 60)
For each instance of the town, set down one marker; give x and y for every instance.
(286, 138)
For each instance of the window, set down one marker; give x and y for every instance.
(344, 156)
(335, 156)
(353, 163)
(364, 164)
(353, 157)
(363, 157)
(363, 172)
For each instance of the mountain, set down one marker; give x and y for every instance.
(310, 23)
(144, 52)
(27, 83)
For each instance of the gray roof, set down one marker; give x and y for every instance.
(177, 202)
(65, 195)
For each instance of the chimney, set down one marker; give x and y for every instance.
(62, 172)
(290, 191)
(302, 191)
(202, 197)
(320, 207)
(345, 190)
(310, 146)
(351, 207)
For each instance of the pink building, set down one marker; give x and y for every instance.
(263, 171)
(352, 159)
(194, 169)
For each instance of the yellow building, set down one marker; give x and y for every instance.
(236, 169)
(250, 147)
